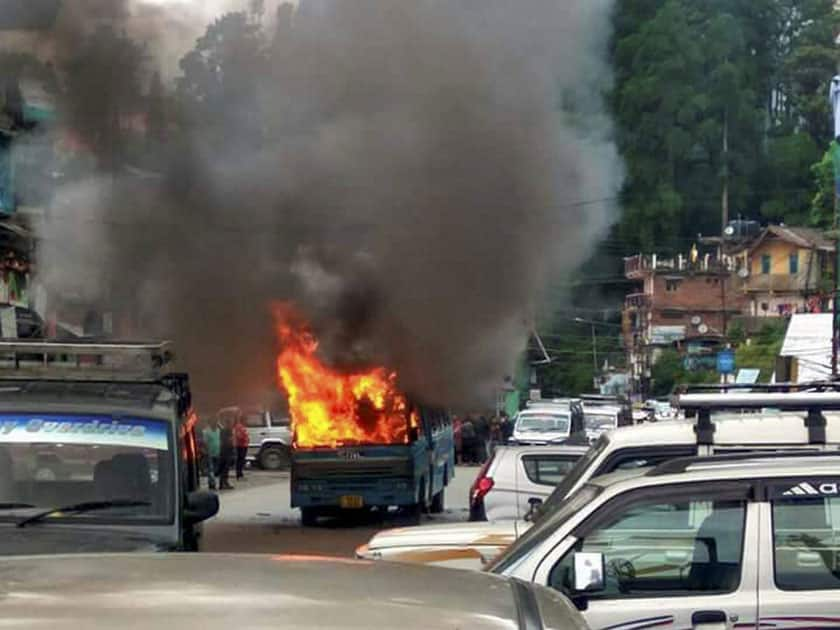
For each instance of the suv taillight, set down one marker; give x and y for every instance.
(482, 484)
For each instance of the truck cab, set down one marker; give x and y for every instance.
(413, 475)
(97, 450)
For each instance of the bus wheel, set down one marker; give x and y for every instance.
(274, 458)
(438, 502)
(308, 516)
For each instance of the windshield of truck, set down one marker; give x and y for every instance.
(544, 528)
(123, 465)
(600, 421)
(581, 470)
(543, 422)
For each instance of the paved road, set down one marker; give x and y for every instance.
(256, 518)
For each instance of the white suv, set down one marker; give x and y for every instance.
(518, 477)
(468, 545)
(733, 541)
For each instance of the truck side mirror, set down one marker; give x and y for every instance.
(201, 505)
(590, 573)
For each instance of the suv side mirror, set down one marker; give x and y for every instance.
(534, 508)
(590, 574)
(201, 505)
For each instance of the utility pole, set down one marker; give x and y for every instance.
(724, 202)
(835, 320)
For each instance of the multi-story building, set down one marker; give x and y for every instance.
(784, 271)
(683, 301)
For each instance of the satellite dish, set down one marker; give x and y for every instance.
(743, 273)
(695, 321)
(730, 230)
(702, 329)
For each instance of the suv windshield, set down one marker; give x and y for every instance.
(600, 421)
(543, 422)
(558, 495)
(544, 528)
(48, 461)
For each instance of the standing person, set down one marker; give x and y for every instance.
(507, 427)
(482, 432)
(495, 435)
(240, 441)
(212, 444)
(459, 442)
(225, 453)
(468, 440)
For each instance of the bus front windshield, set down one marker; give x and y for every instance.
(97, 467)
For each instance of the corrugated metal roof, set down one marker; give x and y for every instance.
(805, 237)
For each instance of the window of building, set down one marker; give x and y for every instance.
(766, 262)
(793, 263)
(806, 536)
(672, 285)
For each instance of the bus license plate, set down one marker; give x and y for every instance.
(351, 502)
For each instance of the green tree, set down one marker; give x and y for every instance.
(220, 80)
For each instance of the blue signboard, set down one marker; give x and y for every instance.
(726, 362)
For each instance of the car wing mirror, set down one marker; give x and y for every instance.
(201, 505)
(590, 573)
(534, 504)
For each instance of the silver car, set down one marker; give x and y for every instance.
(224, 592)
(269, 436)
(519, 477)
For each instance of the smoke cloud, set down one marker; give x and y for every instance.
(410, 174)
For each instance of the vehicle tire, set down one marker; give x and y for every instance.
(274, 458)
(309, 516)
(438, 502)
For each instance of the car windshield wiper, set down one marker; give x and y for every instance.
(87, 506)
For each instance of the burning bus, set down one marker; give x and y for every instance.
(357, 441)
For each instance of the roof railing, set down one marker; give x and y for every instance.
(682, 464)
(86, 361)
(813, 401)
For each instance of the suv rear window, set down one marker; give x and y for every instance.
(806, 535)
(547, 470)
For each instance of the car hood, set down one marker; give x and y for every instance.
(492, 534)
(42, 539)
(209, 592)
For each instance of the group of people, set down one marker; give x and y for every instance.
(477, 435)
(224, 444)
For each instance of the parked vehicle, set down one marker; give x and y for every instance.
(695, 542)
(269, 436)
(97, 450)
(547, 422)
(516, 478)
(220, 592)
(326, 481)
(453, 545)
(761, 420)
(646, 445)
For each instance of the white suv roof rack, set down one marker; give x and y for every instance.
(86, 361)
(813, 398)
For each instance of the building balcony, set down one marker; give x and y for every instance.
(770, 283)
(641, 265)
(637, 301)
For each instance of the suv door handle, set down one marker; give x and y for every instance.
(711, 617)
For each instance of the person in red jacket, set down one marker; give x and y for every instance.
(240, 441)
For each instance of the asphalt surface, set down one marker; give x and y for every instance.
(256, 517)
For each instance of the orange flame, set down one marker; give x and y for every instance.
(331, 409)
